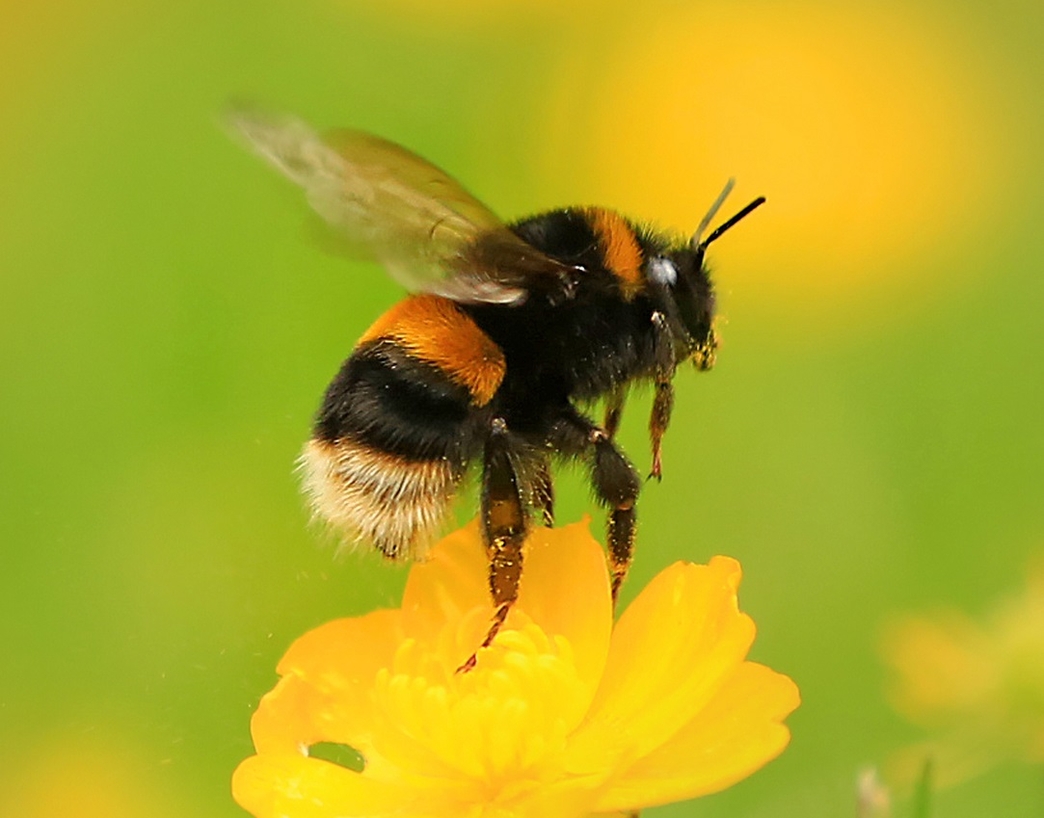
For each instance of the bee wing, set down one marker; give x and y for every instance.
(427, 231)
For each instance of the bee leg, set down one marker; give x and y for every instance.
(503, 528)
(621, 530)
(613, 411)
(663, 402)
(544, 494)
(616, 484)
(658, 421)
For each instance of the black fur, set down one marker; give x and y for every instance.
(582, 347)
(397, 404)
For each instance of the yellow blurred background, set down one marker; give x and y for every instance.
(869, 443)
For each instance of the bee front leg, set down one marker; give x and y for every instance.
(615, 481)
(663, 402)
(504, 527)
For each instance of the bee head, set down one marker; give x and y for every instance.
(684, 273)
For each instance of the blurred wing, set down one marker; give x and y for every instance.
(424, 228)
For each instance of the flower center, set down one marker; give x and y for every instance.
(500, 727)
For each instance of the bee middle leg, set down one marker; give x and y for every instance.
(616, 484)
(504, 526)
(543, 491)
(614, 411)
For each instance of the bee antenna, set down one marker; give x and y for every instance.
(758, 202)
(712, 212)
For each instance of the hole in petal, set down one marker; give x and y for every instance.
(343, 755)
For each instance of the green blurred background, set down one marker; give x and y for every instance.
(871, 441)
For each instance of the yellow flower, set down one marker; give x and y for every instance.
(981, 683)
(563, 715)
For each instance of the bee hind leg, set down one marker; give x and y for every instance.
(504, 526)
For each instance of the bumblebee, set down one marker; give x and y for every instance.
(508, 331)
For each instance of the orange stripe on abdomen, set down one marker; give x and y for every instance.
(435, 330)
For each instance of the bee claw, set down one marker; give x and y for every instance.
(494, 628)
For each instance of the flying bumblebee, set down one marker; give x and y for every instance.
(509, 329)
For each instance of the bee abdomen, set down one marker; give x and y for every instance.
(397, 426)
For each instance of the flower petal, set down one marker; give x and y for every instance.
(276, 785)
(324, 694)
(672, 649)
(738, 732)
(451, 581)
(565, 590)
(565, 798)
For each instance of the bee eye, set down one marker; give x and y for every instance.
(662, 271)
